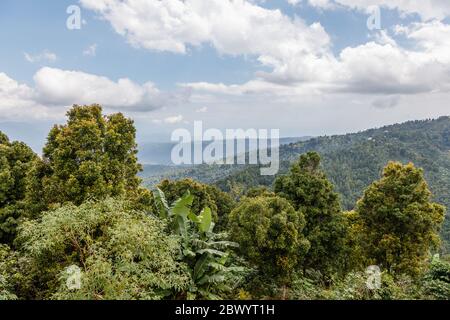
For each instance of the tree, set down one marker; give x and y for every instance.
(15, 161)
(400, 222)
(118, 253)
(269, 232)
(308, 190)
(91, 157)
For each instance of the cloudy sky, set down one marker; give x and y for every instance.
(307, 67)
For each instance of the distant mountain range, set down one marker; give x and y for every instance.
(351, 161)
(159, 153)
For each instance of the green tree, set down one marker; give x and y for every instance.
(121, 254)
(309, 191)
(92, 156)
(269, 232)
(400, 222)
(15, 161)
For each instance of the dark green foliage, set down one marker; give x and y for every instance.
(310, 192)
(15, 161)
(269, 232)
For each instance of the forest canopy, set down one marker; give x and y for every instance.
(77, 223)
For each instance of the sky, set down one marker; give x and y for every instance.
(306, 67)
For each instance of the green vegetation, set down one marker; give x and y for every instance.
(399, 222)
(309, 191)
(76, 224)
(351, 162)
(15, 161)
(270, 234)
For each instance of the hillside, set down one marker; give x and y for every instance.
(351, 161)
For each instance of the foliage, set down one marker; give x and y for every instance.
(309, 191)
(269, 232)
(7, 261)
(400, 223)
(203, 196)
(122, 254)
(205, 252)
(354, 287)
(352, 162)
(15, 160)
(91, 157)
(436, 282)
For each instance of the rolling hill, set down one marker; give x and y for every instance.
(351, 161)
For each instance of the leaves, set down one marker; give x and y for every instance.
(203, 250)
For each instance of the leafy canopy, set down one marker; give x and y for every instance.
(15, 161)
(309, 191)
(400, 222)
(269, 232)
(91, 157)
(122, 253)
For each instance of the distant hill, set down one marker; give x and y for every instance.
(159, 153)
(353, 161)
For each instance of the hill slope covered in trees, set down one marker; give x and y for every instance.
(351, 161)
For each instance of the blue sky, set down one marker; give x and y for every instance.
(306, 67)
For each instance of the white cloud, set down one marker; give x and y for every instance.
(44, 56)
(55, 90)
(426, 9)
(62, 87)
(298, 56)
(378, 67)
(232, 27)
(91, 50)
(18, 101)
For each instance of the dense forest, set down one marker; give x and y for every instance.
(350, 161)
(350, 217)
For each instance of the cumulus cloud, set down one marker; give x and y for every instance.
(18, 101)
(55, 88)
(63, 87)
(297, 57)
(380, 66)
(232, 27)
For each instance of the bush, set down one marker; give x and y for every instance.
(121, 253)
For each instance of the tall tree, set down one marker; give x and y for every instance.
(270, 234)
(309, 190)
(15, 161)
(400, 221)
(92, 156)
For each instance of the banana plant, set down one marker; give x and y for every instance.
(206, 253)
